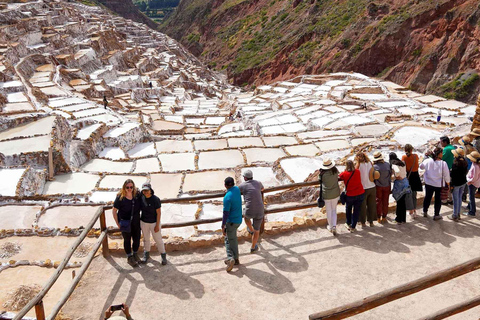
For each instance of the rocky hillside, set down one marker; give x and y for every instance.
(128, 10)
(427, 45)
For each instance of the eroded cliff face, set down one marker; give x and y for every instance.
(127, 9)
(430, 46)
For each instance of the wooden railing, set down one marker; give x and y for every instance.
(37, 301)
(390, 295)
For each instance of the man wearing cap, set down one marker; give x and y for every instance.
(232, 218)
(252, 191)
(150, 223)
(383, 185)
(473, 182)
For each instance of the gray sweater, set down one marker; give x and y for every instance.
(385, 174)
(331, 190)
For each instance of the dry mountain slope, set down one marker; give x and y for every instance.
(431, 46)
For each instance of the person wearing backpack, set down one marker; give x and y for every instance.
(412, 162)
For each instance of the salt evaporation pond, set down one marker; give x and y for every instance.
(416, 136)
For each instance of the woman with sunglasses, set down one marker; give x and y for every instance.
(126, 212)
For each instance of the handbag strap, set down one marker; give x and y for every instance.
(321, 186)
(133, 206)
(411, 169)
(346, 185)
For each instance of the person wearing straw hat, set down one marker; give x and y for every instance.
(436, 176)
(368, 211)
(382, 185)
(475, 134)
(458, 181)
(412, 162)
(330, 192)
(252, 191)
(473, 182)
(466, 144)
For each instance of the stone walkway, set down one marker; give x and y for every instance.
(292, 276)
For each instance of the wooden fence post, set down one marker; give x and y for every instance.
(103, 226)
(40, 311)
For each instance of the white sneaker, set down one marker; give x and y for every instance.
(329, 228)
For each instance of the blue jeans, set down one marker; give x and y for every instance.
(457, 200)
(231, 241)
(472, 208)
(354, 202)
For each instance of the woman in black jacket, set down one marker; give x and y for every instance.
(126, 212)
(458, 182)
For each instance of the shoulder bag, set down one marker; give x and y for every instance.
(320, 201)
(343, 195)
(445, 189)
(126, 225)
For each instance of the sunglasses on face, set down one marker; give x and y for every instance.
(129, 187)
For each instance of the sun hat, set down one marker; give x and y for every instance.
(377, 155)
(459, 152)
(248, 174)
(146, 186)
(475, 132)
(474, 156)
(327, 164)
(465, 140)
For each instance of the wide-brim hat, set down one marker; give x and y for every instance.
(459, 152)
(327, 164)
(475, 132)
(377, 155)
(474, 156)
(465, 140)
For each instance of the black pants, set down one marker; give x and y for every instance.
(401, 210)
(429, 191)
(133, 236)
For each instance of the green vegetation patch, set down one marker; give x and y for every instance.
(460, 87)
(304, 53)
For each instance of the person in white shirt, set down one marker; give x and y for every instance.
(401, 187)
(436, 176)
(368, 210)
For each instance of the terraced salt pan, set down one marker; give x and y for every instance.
(322, 134)
(373, 130)
(177, 161)
(307, 150)
(54, 91)
(12, 278)
(166, 185)
(263, 174)
(429, 99)
(245, 142)
(113, 153)
(122, 129)
(255, 155)
(64, 216)
(172, 213)
(85, 132)
(231, 127)
(359, 141)
(142, 150)
(300, 168)
(78, 107)
(103, 197)
(330, 145)
(313, 115)
(101, 165)
(167, 146)
(178, 119)
(449, 104)
(105, 118)
(63, 102)
(18, 217)
(279, 141)
(147, 165)
(206, 181)
(39, 127)
(16, 97)
(116, 181)
(416, 136)
(71, 183)
(214, 120)
(10, 179)
(160, 125)
(35, 144)
(210, 144)
(211, 211)
(21, 106)
(219, 159)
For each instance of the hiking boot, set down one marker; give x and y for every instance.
(425, 215)
(379, 220)
(137, 259)
(352, 229)
(452, 217)
(371, 223)
(146, 256)
(237, 262)
(131, 261)
(164, 258)
(230, 264)
(384, 220)
(364, 225)
(252, 250)
(439, 217)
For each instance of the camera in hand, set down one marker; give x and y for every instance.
(116, 307)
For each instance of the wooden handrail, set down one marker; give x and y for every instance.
(60, 268)
(56, 309)
(393, 294)
(452, 310)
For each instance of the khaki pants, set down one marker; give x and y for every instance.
(368, 209)
(149, 229)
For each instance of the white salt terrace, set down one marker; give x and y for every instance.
(178, 136)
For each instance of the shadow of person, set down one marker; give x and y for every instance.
(281, 262)
(273, 282)
(169, 280)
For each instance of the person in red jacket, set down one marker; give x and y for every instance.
(355, 194)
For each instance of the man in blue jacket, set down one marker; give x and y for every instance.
(232, 218)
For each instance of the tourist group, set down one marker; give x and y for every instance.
(451, 175)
